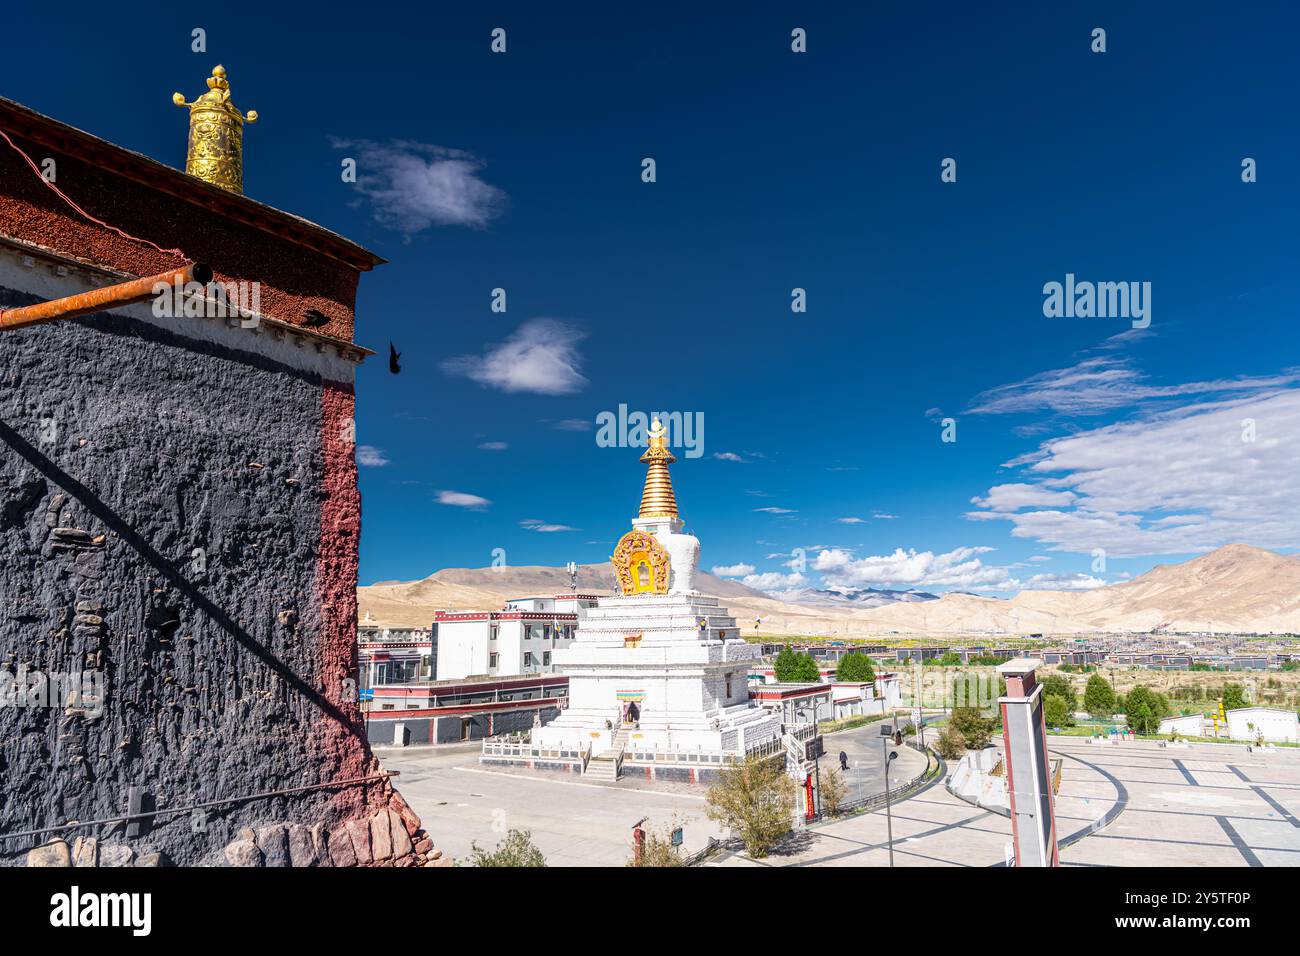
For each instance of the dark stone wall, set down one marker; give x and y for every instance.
(124, 450)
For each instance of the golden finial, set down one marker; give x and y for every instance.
(216, 145)
(657, 499)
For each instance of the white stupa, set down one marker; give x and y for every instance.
(661, 667)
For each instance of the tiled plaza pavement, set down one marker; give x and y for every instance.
(1207, 805)
(933, 828)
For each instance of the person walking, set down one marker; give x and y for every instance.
(844, 760)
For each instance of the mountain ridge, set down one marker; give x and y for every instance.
(1236, 588)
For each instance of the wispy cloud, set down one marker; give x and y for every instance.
(541, 357)
(1104, 383)
(412, 186)
(732, 570)
(462, 499)
(728, 456)
(851, 520)
(369, 456)
(776, 511)
(494, 446)
(535, 524)
(571, 424)
(1179, 481)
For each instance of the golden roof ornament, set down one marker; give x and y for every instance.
(658, 500)
(216, 145)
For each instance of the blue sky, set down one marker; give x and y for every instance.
(776, 170)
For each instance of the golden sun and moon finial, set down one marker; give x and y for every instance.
(657, 499)
(216, 145)
(640, 562)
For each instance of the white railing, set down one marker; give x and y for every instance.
(521, 747)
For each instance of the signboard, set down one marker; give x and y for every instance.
(630, 695)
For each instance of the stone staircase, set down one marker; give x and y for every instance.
(609, 765)
(797, 764)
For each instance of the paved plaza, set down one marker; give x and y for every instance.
(1208, 805)
(573, 822)
(1133, 804)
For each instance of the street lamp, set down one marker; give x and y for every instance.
(890, 755)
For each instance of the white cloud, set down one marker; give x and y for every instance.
(494, 446)
(1063, 582)
(883, 515)
(541, 357)
(776, 511)
(773, 580)
(461, 499)
(733, 570)
(1013, 497)
(1181, 481)
(413, 186)
(369, 456)
(960, 568)
(534, 524)
(728, 456)
(851, 520)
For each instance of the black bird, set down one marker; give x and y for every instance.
(315, 318)
(393, 356)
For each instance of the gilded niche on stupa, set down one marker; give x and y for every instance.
(641, 564)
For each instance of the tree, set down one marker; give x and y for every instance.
(1143, 709)
(658, 849)
(754, 798)
(833, 790)
(1099, 697)
(1056, 685)
(975, 728)
(806, 670)
(785, 664)
(1234, 697)
(1056, 712)
(951, 745)
(516, 849)
(855, 667)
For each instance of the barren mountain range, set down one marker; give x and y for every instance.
(1236, 588)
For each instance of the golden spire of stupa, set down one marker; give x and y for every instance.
(658, 500)
(216, 146)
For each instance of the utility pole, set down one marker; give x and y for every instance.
(889, 816)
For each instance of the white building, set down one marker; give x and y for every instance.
(1193, 725)
(394, 655)
(1275, 724)
(519, 639)
(661, 667)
